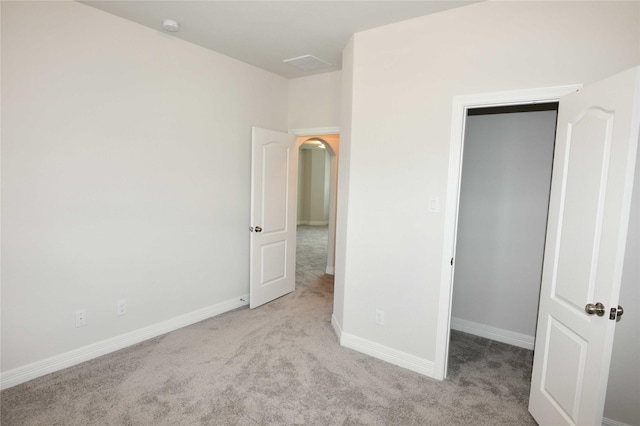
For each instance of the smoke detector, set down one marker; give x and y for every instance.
(171, 25)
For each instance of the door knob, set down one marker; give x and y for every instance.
(258, 229)
(597, 309)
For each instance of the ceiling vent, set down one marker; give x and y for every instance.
(307, 63)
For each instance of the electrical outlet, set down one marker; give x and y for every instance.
(121, 307)
(81, 318)
(379, 317)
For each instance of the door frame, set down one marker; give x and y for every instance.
(461, 104)
(333, 186)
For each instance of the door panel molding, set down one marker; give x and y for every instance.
(589, 208)
(274, 162)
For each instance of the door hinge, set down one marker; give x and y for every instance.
(452, 261)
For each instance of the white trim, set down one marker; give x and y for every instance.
(385, 353)
(315, 131)
(610, 422)
(460, 106)
(493, 333)
(336, 327)
(330, 270)
(333, 190)
(313, 222)
(40, 368)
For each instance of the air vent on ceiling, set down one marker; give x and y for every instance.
(307, 63)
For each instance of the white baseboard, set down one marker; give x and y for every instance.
(336, 327)
(609, 422)
(313, 222)
(86, 353)
(393, 356)
(330, 270)
(493, 333)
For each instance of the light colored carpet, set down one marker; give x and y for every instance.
(278, 364)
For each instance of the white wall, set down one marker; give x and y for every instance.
(314, 101)
(404, 79)
(342, 203)
(319, 197)
(623, 392)
(125, 174)
(327, 187)
(313, 187)
(301, 214)
(504, 197)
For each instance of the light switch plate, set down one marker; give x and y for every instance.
(434, 205)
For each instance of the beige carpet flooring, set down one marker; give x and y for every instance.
(278, 364)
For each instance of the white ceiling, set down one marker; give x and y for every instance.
(264, 33)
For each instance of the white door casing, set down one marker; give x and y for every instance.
(461, 104)
(274, 163)
(330, 146)
(333, 150)
(595, 154)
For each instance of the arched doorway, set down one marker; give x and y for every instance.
(321, 209)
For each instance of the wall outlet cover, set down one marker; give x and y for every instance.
(121, 307)
(81, 318)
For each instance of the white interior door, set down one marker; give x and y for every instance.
(595, 154)
(274, 164)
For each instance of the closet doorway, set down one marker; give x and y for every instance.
(504, 197)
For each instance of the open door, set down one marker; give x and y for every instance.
(274, 163)
(595, 154)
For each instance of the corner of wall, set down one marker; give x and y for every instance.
(343, 185)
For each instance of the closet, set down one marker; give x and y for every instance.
(504, 198)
